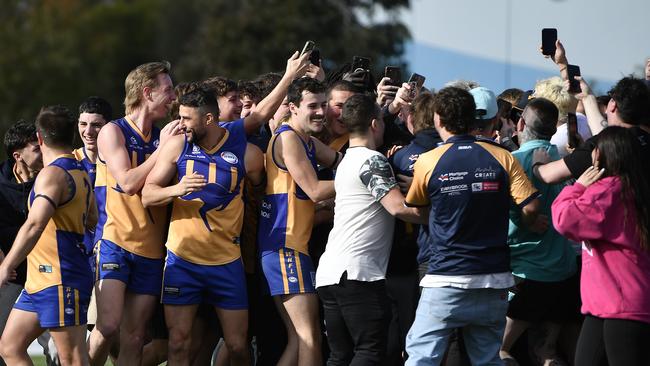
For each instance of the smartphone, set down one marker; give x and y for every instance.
(359, 62)
(394, 73)
(503, 112)
(549, 36)
(572, 130)
(314, 58)
(574, 85)
(309, 46)
(415, 81)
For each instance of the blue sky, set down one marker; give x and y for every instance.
(478, 39)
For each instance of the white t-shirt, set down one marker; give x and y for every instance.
(361, 238)
(561, 137)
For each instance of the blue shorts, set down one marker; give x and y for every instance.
(288, 271)
(142, 275)
(56, 306)
(186, 283)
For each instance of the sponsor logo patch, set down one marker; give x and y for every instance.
(293, 279)
(172, 291)
(229, 157)
(110, 266)
(45, 268)
(69, 311)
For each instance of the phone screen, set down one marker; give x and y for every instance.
(394, 74)
(574, 85)
(572, 130)
(416, 81)
(549, 36)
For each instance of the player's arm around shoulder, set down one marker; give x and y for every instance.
(325, 155)
(50, 190)
(295, 159)
(157, 190)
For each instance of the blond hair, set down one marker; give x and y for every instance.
(554, 90)
(142, 76)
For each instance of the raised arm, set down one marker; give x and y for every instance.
(294, 157)
(156, 190)
(595, 119)
(296, 67)
(112, 150)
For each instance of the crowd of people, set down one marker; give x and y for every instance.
(307, 218)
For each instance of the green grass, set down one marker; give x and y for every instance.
(40, 361)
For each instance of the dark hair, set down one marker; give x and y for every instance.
(249, 89)
(542, 124)
(603, 100)
(358, 112)
(56, 125)
(267, 82)
(511, 95)
(201, 99)
(342, 85)
(18, 136)
(97, 105)
(423, 110)
(294, 95)
(456, 109)
(220, 86)
(632, 97)
(180, 89)
(620, 155)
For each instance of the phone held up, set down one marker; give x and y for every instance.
(572, 130)
(359, 62)
(574, 85)
(549, 36)
(394, 73)
(416, 81)
(309, 46)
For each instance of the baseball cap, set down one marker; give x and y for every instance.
(486, 103)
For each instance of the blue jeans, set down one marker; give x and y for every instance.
(481, 313)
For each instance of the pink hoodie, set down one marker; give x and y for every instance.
(615, 280)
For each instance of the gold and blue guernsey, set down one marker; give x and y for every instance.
(90, 168)
(286, 220)
(203, 255)
(129, 237)
(59, 280)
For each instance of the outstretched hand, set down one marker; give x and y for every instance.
(559, 58)
(298, 65)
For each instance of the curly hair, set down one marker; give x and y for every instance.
(553, 89)
(18, 136)
(220, 86)
(294, 95)
(456, 109)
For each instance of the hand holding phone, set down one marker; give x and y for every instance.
(314, 57)
(549, 36)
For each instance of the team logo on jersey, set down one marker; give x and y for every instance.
(229, 157)
(196, 149)
(156, 143)
(69, 311)
(485, 173)
(133, 140)
(443, 177)
(293, 279)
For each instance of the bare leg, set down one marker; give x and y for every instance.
(514, 329)
(110, 303)
(302, 310)
(290, 355)
(71, 344)
(179, 319)
(138, 310)
(235, 334)
(21, 330)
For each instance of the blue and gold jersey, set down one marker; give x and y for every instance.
(89, 166)
(205, 225)
(58, 258)
(287, 213)
(122, 218)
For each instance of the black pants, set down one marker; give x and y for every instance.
(356, 318)
(621, 342)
